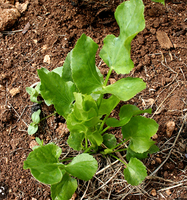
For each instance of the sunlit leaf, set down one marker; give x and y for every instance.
(83, 67)
(125, 114)
(139, 131)
(83, 166)
(44, 165)
(135, 172)
(124, 89)
(116, 50)
(56, 91)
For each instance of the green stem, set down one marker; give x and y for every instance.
(104, 84)
(105, 129)
(118, 159)
(66, 159)
(120, 150)
(48, 116)
(103, 122)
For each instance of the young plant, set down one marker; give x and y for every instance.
(77, 92)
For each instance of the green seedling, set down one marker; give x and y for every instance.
(77, 92)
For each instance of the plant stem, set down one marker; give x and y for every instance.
(118, 159)
(104, 84)
(105, 129)
(48, 116)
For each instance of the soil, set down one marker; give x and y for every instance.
(55, 26)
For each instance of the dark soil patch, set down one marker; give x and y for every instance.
(55, 27)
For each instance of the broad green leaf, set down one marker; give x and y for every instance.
(64, 189)
(139, 131)
(44, 165)
(125, 114)
(83, 166)
(135, 172)
(109, 140)
(56, 91)
(107, 105)
(83, 67)
(75, 140)
(36, 116)
(160, 1)
(33, 128)
(116, 50)
(125, 88)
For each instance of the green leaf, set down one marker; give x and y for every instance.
(44, 165)
(32, 129)
(139, 131)
(109, 140)
(95, 138)
(107, 105)
(66, 73)
(131, 154)
(36, 117)
(58, 71)
(125, 114)
(125, 88)
(56, 91)
(116, 50)
(75, 140)
(40, 142)
(33, 92)
(153, 149)
(84, 71)
(135, 172)
(83, 166)
(160, 1)
(64, 189)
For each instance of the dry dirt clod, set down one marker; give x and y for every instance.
(33, 143)
(153, 192)
(155, 136)
(8, 16)
(47, 59)
(168, 192)
(22, 7)
(163, 40)
(14, 91)
(170, 127)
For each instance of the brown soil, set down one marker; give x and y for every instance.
(55, 26)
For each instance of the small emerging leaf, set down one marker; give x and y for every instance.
(32, 129)
(64, 189)
(36, 117)
(40, 142)
(135, 172)
(83, 166)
